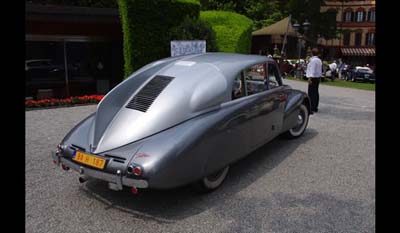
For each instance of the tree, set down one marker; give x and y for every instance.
(322, 23)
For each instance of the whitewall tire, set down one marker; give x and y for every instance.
(302, 122)
(213, 181)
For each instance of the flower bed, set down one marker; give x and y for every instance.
(63, 102)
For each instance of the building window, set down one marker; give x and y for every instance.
(348, 16)
(371, 16)
(91, 65)
(358, 39)
(370, 39)
(346, 38)
(360, 16)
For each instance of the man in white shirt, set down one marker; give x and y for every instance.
(314, 73)
(333, 68)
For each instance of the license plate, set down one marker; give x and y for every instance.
(89, 160)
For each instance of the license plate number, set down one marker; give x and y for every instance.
(89, 160)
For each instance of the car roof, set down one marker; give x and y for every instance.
(197, 83)
(229, 64)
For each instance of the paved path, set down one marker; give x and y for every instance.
(321, 182)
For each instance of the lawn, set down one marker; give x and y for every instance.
(342, 83)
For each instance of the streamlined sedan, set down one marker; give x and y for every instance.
(184, 120)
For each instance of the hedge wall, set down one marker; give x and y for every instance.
(146, 26)
(232, 30)
(195, 29)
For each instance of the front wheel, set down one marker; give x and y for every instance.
(213, 181)
(302, 122)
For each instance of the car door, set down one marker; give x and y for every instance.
(249, 121)
(260, 116)
(278, 96)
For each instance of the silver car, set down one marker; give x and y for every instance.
(183, 120)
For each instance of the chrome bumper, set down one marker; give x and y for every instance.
(117, 180)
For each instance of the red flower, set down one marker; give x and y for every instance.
(63, 102)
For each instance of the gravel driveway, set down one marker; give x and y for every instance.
(321, 182)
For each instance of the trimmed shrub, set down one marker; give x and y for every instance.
(146, 26)
(232, 30)
(194, 29)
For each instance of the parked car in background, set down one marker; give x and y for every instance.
(42, 67)
(42, 74)
(46, 74)
(180, 120)
(361, 73)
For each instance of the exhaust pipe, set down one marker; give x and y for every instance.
(83, 179)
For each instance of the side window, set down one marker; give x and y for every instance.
(238, 89)
(273, 77)
(255, 78)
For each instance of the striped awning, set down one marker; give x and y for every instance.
(358, 51)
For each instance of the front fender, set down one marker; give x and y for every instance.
(294, 99)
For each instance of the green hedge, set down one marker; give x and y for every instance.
(195, 29)
(232, 30)
(146, 26)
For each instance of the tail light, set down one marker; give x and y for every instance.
(135, 170)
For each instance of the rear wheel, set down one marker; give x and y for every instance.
(213, 181)
(302, 122)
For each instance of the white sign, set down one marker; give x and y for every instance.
(186, 47)
(185, 63)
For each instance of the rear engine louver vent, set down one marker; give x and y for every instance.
(146, 96)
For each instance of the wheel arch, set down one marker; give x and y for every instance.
(294, 100)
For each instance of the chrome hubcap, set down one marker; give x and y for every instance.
(299, 119)
(301, 122)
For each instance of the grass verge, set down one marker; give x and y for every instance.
(342, 83)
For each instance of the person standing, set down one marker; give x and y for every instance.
(340, 68)
(313, 74)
